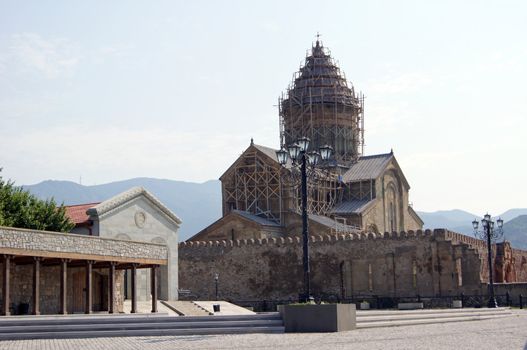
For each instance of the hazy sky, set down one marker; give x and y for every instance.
(110, 90)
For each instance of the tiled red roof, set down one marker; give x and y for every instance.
(77, 213)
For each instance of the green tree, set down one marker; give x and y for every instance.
(19, 208)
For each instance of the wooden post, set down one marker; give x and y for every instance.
(111, 286)
(36, 285)
(134, 289)
(5, 284)
(63, 286)
(88, 285)
(153, 287)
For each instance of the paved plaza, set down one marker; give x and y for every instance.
(503, 333)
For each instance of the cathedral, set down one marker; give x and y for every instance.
(366, 242)
(350, 192)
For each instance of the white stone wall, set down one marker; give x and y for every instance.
(141, 220)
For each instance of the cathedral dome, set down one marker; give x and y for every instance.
(320, 104)
(320, 80)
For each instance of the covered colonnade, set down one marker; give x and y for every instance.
(57, 273)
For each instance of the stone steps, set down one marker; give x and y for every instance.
(226, 308)
(361, 313)
(372, 319)
(139, 325)
(119, 326)
(88, 326)
(185, 308)
(141, 333)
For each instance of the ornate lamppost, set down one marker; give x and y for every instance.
(489, 234)
(300, 156)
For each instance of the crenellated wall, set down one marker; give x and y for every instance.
(409, 263)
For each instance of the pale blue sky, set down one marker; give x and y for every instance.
(110, 90)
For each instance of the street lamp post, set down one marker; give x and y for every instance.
(298, 153)
(489, 234)
(216, 278)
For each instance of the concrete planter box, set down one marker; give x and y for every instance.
(410, 306)
(318, 318)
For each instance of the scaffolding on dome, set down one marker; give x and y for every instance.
(320, 105)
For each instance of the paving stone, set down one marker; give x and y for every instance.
(505, 333)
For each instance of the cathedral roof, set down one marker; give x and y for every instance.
(371, 167)
(352, 206)
(268, 224)
(258, 219)
(331, 223)
(367, 167)
(267, 151)
(320, 80)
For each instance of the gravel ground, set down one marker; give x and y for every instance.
(503, 333)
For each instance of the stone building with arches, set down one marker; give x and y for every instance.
(134, 215)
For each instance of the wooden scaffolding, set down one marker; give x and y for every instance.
(320, 105)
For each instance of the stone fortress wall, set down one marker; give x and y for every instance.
(405, 264)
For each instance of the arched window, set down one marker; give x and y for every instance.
(391, 210)
(391, 216)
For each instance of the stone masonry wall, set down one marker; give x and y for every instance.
(520, 262)
(403, 264)
(15, 238)
(518, 258)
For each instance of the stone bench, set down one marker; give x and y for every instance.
(410, 306)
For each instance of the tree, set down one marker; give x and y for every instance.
(19, 208)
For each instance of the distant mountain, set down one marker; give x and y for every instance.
(513, 213)
(515, 226)
(198, 205)
(447, 218)
(515, 231)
